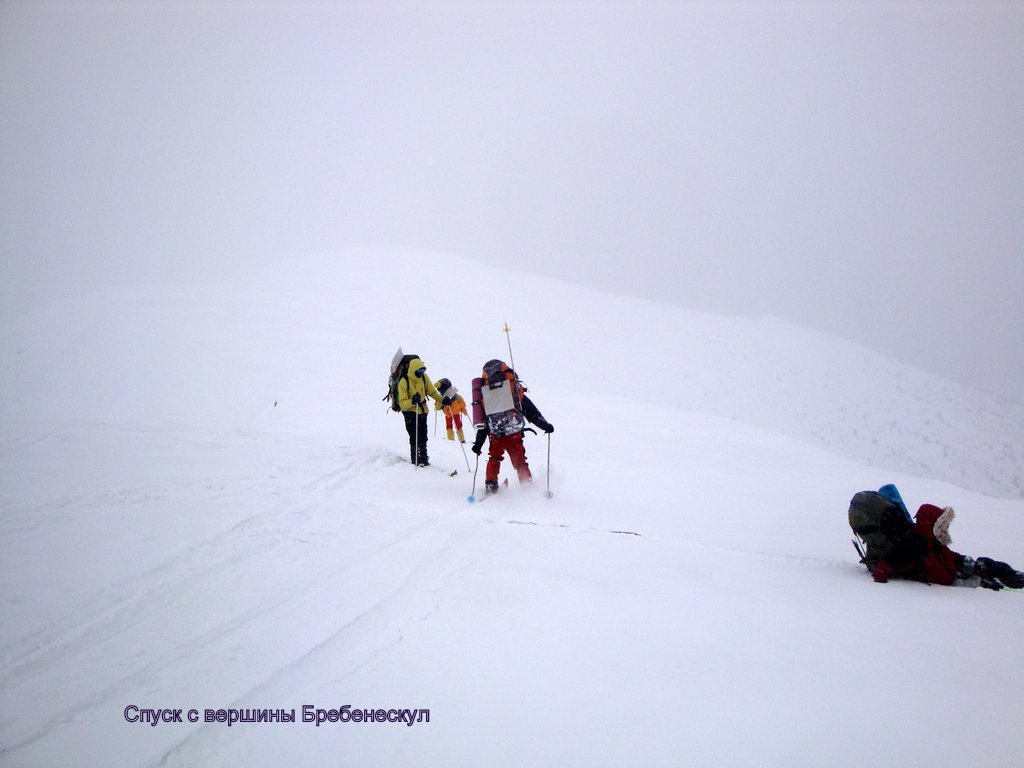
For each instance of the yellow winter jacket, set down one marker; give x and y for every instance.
(412, 384)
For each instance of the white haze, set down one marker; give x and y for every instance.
(853, 167)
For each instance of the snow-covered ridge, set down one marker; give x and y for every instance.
(851, 400)
(315, 337)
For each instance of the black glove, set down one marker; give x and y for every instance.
(446, 401)
(478, 444)
(416, 399)
(546, 427)
(991, 584)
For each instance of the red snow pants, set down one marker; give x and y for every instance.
(516, 452)
(450, 417)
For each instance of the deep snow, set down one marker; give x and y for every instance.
(203, 507)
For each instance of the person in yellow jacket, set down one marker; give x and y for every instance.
(413, 390)
(454, 409)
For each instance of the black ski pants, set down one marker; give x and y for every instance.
(416, 426)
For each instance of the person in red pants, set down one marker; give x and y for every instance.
(454, 408)
(501, 410)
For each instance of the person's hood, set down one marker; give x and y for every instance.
(941, 526)
(932, 523)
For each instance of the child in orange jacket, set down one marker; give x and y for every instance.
(454, 409)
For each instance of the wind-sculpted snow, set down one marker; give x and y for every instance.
(206, 507)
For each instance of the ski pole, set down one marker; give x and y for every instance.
(472, 496)
(508, 338)
(547, 493)
(462, 445)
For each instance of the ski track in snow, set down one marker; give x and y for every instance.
(421, 571)
(795, 560)
(122, 606)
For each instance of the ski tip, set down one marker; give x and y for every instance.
(471, 499)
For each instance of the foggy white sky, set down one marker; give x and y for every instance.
(857, 167)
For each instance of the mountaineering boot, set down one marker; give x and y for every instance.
(451, 435)
(462, 437)
(491, 487)
(999, 571)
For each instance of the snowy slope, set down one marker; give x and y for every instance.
(223, 353)
(203, 507)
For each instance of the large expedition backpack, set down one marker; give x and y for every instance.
(497, 400)
(399, 370)
(879, 523)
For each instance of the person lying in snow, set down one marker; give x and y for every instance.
(923, 554)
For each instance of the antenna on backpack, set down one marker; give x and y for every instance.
(508, 338)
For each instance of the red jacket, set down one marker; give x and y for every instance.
(920, 555)
(940, 563)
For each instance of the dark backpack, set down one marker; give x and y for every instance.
(399, 371)
(879, 523)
